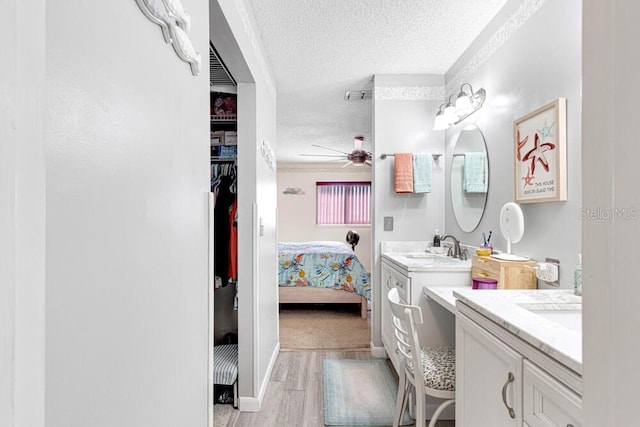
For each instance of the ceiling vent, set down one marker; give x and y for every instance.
(218, 73)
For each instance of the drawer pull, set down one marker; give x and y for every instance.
(510, 379)
(482, 260)
(483, 274)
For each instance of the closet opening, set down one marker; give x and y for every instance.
(223, 109)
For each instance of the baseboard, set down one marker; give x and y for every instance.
(253, 404)
(378, 352)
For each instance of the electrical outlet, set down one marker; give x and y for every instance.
(551, 275)
(388, 223)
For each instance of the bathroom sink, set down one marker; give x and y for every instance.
(567, 315)
(420, 255)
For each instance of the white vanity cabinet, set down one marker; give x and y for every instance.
(410, 277)
(500, 379)
(488, 378)
(547, 402)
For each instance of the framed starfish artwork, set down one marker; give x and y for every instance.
(540, 157)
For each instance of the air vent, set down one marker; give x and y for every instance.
(219, 75)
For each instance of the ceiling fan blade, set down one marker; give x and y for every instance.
(327, 148)
(349, 163)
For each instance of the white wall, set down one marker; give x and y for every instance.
(297, 213)
(126, 267)
(523, 68)
(611, 347)
(22, 214)
(403, 112)
(234, 35)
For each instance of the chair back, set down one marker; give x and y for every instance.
(405, 318)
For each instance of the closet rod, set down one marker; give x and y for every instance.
(384, 156)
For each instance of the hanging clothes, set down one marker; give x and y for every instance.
(223, 201)
(233, 241)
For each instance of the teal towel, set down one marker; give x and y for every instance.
(422, 172)
(475, 172)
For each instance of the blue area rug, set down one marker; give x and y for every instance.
(359, 393)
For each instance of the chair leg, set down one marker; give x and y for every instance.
(438, 411)
(421, 409)
(400, 399)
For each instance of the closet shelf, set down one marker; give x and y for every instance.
(223, 159)
(224, 118)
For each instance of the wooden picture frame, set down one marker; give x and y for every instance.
(540, 160)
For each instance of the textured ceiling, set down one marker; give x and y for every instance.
(317, 50)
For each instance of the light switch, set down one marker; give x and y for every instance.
(388, 223)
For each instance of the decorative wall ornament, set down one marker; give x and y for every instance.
(175, 24)
(540, 154)
(268, 154)
(294, 191)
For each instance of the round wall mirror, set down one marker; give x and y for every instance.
(469, 178)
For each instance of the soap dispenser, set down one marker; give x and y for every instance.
(577, 277)
(436, 238)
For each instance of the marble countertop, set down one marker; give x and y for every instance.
(443, 295)
(414, 256)
(524, 313)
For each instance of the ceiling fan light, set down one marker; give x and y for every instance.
(440, 123)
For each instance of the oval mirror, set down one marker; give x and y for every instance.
(469, 177)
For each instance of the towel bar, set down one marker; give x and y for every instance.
(384, 156)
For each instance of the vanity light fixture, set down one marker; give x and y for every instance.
(466, 104)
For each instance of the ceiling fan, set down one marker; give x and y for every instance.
(357, 157)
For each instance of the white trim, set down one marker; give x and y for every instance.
(253, 404)
(409, 93)
(255, 298)
(258, 51)
(378, 352)
(211, 290)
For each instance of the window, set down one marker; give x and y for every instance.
(343, 202)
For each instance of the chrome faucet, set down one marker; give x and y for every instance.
(456, 245)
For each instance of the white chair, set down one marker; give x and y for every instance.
(437, 365)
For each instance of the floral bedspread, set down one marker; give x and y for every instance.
(322, 265)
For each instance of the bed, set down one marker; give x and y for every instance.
(322, 272)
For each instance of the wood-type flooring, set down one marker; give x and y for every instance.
(294, 392)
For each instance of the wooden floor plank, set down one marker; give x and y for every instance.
(298, 371)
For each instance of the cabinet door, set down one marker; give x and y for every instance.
(386, 327)
(548, 402)
(488, 378)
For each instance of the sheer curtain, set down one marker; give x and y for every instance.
(343, 203)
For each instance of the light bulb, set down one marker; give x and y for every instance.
(463, 104)
(440, 123)
(450, 113)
